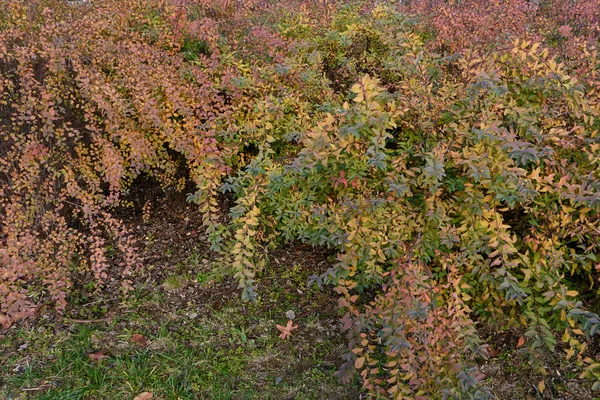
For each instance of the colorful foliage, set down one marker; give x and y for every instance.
(92, 96)
(456, 177)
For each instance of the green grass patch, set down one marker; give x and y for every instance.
(186, 352)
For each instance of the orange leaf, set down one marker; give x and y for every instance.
(521, 341)
(286, 331)
(360, 361)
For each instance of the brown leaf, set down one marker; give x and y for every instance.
(286, 331)
(139, 339)
(144, 396)
(521, 341)
(97, 357)
(5, 321)
(493, 352)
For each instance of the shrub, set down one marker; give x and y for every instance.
(470, 180)
(457, 183)
(92, 96)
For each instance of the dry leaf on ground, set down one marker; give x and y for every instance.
(144, 396)
(286, 331)
(96, 357)
(139, 339)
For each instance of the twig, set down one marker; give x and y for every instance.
(85, 321)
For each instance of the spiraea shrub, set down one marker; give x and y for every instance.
(454, 172)
(92, 95)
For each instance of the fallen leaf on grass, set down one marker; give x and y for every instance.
(521, 341)
(97, 357)
(144, 396)
(286, 331)
(139, 339)
(541, 386)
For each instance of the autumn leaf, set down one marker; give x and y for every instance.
(541, 386)
(521, 341)
(139, 339)
(493, 351)
(5, 321)
(97, 357)
(144, 396)
(360, 361)
(286, 331)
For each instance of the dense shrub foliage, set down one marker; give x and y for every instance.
(456, 177)
(92, 96)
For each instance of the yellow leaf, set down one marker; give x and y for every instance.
(541, 386)
(570, 353)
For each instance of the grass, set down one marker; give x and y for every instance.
(219, 357)
(172, 370)
(191, 351)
